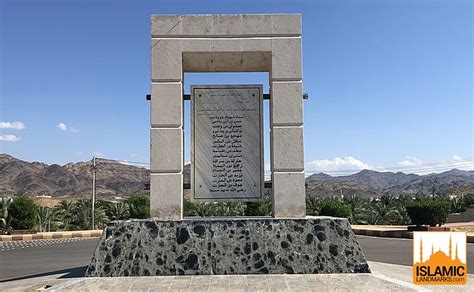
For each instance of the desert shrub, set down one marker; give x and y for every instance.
(428, 211)
(230, 209)
(138, 207)
(335, 208)
(23, 213)
(263, 208)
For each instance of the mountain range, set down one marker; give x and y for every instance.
(74, 180)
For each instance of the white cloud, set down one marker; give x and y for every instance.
(98, 154)
(9, 138)
(455, 157)
(63, 127)
(410, 161)
(338, 165)
(133, 155)
(12, 125)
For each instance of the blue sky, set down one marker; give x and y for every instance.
(390, 82)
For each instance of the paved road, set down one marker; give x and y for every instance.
(398, 251)
(21, 260)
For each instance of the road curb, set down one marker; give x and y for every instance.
(52, 235)
(396, 234)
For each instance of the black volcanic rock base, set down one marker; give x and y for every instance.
(228, 246)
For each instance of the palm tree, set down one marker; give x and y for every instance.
(359, 209)
(383, 210)
(65, 213)
(46, 218)
(313, 205)
(118, 211)
(82, 212)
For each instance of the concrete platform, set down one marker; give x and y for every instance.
(384, 277)
(225, 246)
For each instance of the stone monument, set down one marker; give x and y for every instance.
(227, 159)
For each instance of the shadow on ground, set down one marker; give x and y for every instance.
(76, 272)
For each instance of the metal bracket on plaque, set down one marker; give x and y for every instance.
(266, 96)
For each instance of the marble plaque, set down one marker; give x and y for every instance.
(227, 144)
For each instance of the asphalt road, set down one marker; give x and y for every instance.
(399, 251)
(43, 257)
(40, 258)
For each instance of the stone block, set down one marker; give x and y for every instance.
(256, 24)
(227, 25)
(287, 103)
(226, 45)
(166, 150)
(288, 149)
(256, 45)
(163, 25)
(220, 246)
(197, 25)
(195, 45)
(166, 195)
(256, 61)
(166, 60)
(286, 59)
(167, 104)
(286, 24)
(196, 62)
(289, 199)
(226, 61)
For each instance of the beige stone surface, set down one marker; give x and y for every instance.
(167, 104)
(256, 45)
(226, 45)
(229, 43)
(286, 24)
(256, 24)
(287, 103)
(166, 195)
(195, 45)
(286, 58)
(166, 25)
(288, 149)
(197, 25)
(289, 195)
(196, 62)
(166, 150)
(226, 25)
(256, 61)
(166, 60)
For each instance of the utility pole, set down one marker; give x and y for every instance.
(94, 170)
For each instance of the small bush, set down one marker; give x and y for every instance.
(23, 213)
(139, 207)
(263, 208)
(428, 211)
(335, 208)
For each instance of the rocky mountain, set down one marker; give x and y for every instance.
(368, 183)
(19, 177)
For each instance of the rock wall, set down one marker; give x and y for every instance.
(228, 246)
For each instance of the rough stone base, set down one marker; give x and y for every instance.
(228, 246)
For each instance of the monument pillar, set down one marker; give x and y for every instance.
(227, 43)
(227, 160)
